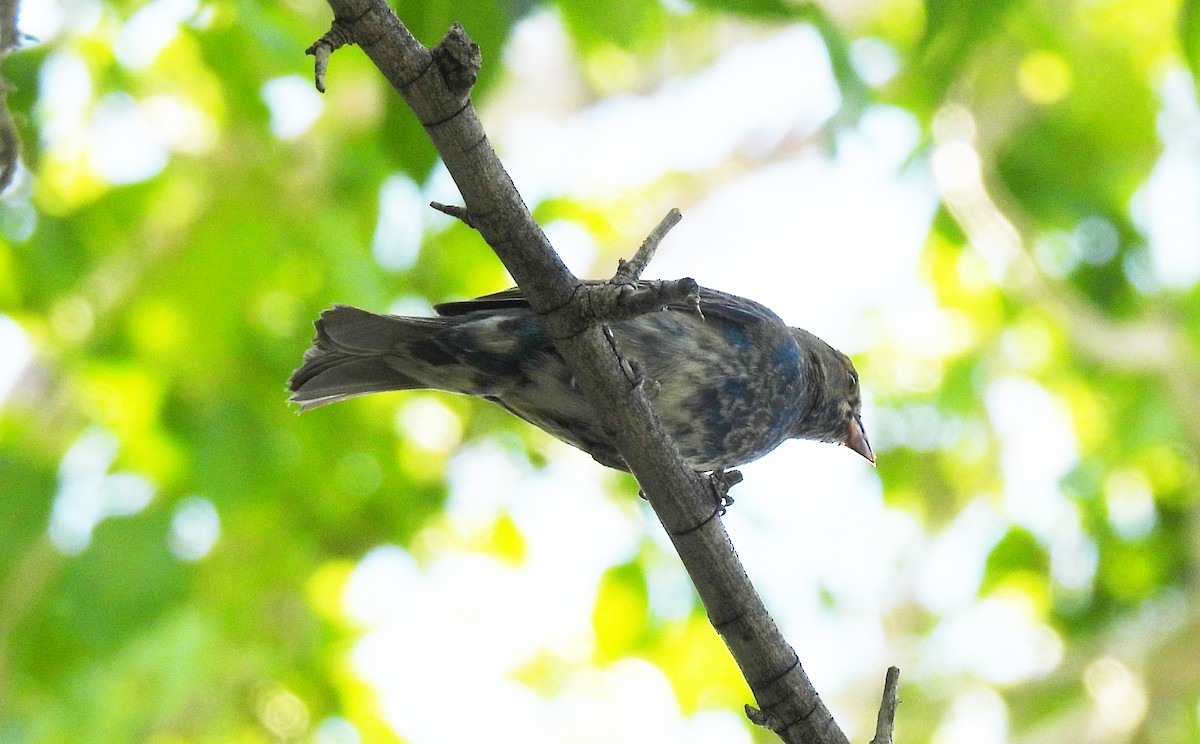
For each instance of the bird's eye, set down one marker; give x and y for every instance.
(852, 380)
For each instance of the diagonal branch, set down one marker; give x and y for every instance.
(436, 85)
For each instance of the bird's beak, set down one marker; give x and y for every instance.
(856, 439)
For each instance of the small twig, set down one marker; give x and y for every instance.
(763, 718)
(458, 213)
(624, 296)
(681, 291)
(630, 271)
(887, 708)
(320, 49)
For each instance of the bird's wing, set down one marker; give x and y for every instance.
(727, 307)
(509, 298)
(712, 304)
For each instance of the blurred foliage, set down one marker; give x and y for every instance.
(171, 239)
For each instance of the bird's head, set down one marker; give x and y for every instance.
(835, 410)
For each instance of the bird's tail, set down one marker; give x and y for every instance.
(356, 352)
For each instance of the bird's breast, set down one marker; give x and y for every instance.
(728, 392)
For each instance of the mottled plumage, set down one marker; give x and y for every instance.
(733, 381)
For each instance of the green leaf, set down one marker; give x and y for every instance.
(1189, 36)
(953, 31)
(620, 616)
(633, 25)
(1019, 557)
(767, 9)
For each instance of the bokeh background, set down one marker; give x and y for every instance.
(994, 206)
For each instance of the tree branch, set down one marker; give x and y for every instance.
(631, 270)
(436, 85)
(885, 723)
(10, 143)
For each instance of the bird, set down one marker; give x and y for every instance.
(731, 380)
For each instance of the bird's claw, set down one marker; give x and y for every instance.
(633, 372)
(639, 379)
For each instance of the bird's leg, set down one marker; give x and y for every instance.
(638, 377)
(634, 371)
(631, 368)
(721, 480)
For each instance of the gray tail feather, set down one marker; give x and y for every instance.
(349, 356)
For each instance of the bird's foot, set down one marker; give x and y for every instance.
(636, 374)
(721, 480)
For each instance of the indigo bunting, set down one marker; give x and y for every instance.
(731, 381)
